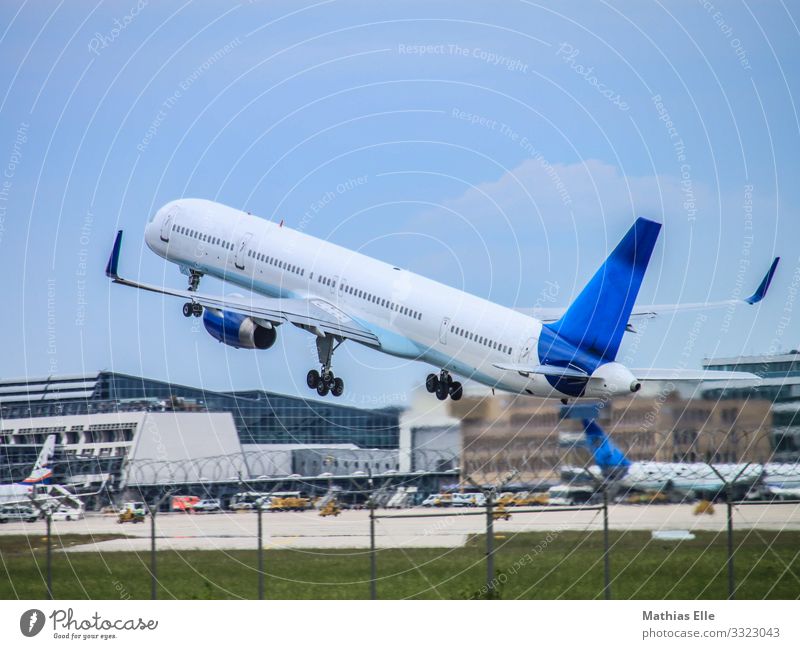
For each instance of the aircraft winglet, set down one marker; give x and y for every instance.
(761, 291)
(113, 260)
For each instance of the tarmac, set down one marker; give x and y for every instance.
(308, 530)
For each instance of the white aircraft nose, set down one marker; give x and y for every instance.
(156, 232)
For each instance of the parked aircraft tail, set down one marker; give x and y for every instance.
(42, 472)
(606, 455)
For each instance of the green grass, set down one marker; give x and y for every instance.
(535, 565)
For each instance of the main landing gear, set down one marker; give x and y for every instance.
(444, 385)
(324, 381)
(193, 308)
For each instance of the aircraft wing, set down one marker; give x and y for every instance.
(645, 374)
(312, 314)
(548, 314)
(654, 374)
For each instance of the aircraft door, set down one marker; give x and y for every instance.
(525, 352)
(241, 250)
(443, 330)
(166, 225)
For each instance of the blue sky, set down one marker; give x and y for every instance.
(501, 147)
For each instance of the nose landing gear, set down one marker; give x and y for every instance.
(443, 386)
(324, 381)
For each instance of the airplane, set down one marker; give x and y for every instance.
(695, 478)
(339, 294)
(38, 489)
(36, 483)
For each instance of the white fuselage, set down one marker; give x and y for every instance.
(19, 492)
(414, 317)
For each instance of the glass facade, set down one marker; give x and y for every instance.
(260, 417)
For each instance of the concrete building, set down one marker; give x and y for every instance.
(537, 436)
(780, 385)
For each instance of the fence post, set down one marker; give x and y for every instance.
(153, 557)
(606, 548)
(731, 575)
(49, 517)
(260, 511)
(373, 560)
(490, 585)
(729, 484)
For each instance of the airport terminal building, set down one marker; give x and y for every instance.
(779, 384)
(132, 431)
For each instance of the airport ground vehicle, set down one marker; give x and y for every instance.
(132, 512)
(246, 500)
(130, 516)
(567, 495)
(438, 500)
(183, 503)
(472, 499)
(68, 514)
(331, 508)
(288, 501)
(529, 499)
(11, 513)
(207, 506)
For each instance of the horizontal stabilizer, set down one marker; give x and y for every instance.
(653, 374)
(546, 370)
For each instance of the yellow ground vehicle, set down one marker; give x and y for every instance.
(530, 499)
(130, 516)
(506, 499)
(501, 512)
(331, 508)
(704, 507)
(288, 501)
(647, 498)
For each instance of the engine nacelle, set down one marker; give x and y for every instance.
(611, 379)
(237, 330)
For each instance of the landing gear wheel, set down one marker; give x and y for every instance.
(312, 379)
(338, 387)
(431, 383)
(441, 391)
(327, 379)
(197, 310)
(322, 389)
(187, 310)
(456, 391)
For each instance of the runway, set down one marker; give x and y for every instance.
(308, 530)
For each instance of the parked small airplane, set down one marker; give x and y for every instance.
(339, 294)
(38, 488)
(38, 480)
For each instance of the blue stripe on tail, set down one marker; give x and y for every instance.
(606, 455)
(595, 322)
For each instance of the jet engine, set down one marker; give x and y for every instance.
(238, 330)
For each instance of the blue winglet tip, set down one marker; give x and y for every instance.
(113, 260)
(762, 289)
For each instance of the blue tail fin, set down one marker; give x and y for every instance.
(596, 320)
(607, 456)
